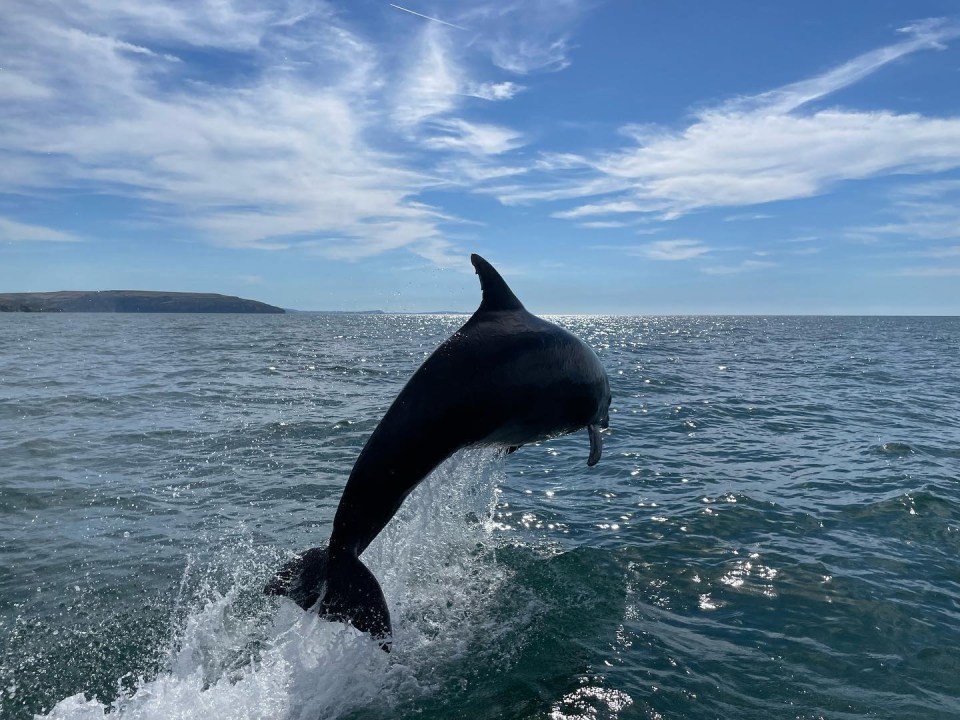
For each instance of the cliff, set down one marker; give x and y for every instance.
(130, 301)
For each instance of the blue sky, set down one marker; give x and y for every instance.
(622, 157)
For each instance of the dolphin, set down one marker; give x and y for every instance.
(504, 379)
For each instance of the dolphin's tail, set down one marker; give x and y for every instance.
(346, 590)
(354, 596)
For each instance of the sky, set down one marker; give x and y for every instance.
(607, 156)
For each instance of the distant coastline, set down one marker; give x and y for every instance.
(130, 301)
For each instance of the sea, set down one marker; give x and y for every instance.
(773, 531)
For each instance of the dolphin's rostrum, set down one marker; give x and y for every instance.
(504, 379)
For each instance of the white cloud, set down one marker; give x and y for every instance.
(607, 208)
(603, 224)
(525, 36)
(747, 216)
(288, 152)
(12, 231)
(473, 138)
(495, 91)
(434, 87)
(924, 35)
(926, 212)
(744, 266)
(16, 87)
(550, 161)
(671, 249)
(734, 160)
(432, 81)
(472, 170)
(528, 56)
(201, 23)
(760, 149)
(550, 189)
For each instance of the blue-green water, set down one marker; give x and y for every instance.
(773, 532)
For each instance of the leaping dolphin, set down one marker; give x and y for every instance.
(504, 379)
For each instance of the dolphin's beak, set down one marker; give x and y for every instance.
(596, 444)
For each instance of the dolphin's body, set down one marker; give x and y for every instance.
(504, 379)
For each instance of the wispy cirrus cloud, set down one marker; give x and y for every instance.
(12, 231)
(525, 36)
(604, 208)
(747, 216)
(205, 23)
(927, 214)
(431, 83)
(434, 87)
(743, 266)
(473, 138)
(306, 133)
(494, 90)
(603, 224)
(671, 250)
(271, 160)
(931, 33)
(759, 149)
(926, 211)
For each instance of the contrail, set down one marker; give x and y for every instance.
(427, 17)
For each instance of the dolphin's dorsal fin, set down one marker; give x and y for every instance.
(496, 294)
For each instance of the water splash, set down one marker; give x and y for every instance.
(236, 654)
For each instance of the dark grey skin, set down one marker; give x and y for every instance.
(504, 379)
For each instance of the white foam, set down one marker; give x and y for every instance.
(434, 562)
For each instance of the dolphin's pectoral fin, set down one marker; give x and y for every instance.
(596, 445)
(354, 596)
(513, 448)
(302, 578)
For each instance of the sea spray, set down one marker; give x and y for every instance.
(236, 654)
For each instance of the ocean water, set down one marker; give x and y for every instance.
(773, 531)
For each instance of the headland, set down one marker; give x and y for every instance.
(130, 301)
